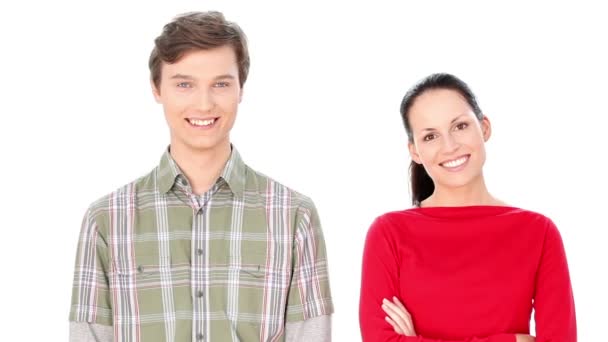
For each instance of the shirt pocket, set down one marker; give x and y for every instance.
(248, 269)
(250, 260)
(257, 260)
(146, 284)
(260, 295)
(141, 267)
(256, 296)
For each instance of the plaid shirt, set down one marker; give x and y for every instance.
(234, 264)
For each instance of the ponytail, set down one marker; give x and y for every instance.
(421, 184)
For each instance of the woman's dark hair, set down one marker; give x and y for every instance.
(422, 185)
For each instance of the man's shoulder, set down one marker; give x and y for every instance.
(125, 195)
(271, 187)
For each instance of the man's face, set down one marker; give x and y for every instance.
(200, 94)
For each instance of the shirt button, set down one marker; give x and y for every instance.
(200, 336)
(199, 294)
(199, 251)
(140, 269)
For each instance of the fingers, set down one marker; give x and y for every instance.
(400, 317)
(404, 317)
(407, 313)
(395, 326)
(394, 319)
(396, 301)
(524, 338)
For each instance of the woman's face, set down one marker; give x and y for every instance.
(448, 139)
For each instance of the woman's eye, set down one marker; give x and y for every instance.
(462, 125)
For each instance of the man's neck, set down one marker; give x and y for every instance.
(202, 168)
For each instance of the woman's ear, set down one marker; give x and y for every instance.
(486, 128)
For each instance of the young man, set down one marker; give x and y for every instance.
(203, 248)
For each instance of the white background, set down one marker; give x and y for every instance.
(320, 114)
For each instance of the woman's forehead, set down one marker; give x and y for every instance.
(438, 107)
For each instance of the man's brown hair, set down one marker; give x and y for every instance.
(198, 31)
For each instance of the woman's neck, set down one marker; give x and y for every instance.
(473, 193)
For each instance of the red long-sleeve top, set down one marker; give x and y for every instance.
(469, 274)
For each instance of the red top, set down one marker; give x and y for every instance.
(467, 274)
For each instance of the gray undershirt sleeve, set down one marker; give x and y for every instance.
(90, 332)
(316, 329)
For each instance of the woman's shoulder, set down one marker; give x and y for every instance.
(458, 215)
(396, 222)
(534, 222)
(531, 215)
(389, 220)
(398, 216)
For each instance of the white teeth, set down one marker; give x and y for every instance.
(455, 163)
(197, 122)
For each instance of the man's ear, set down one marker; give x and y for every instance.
(155, 91)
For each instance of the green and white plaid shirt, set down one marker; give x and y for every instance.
(234, 264)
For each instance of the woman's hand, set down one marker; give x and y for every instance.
(400, 318)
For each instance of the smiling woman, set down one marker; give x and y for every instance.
(446, 131)
(461, 265)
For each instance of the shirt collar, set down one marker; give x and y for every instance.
(234, 172)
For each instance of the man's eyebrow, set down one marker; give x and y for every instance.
(223, 77)
(188, 77)
(182, 76)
